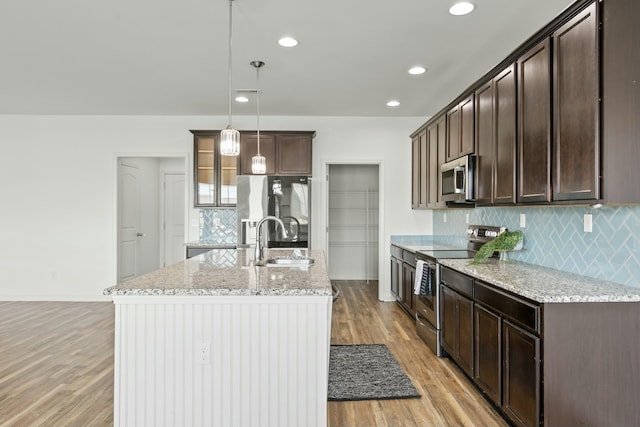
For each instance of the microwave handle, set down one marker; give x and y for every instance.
(459, 171)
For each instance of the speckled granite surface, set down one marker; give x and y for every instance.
(543, 284)
(212, 245)
(206, 275)
(420, 243)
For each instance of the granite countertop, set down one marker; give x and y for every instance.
(545, 285)
(414, 243)
(212, 245)
(211, 275)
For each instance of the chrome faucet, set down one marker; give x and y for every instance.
(293, 219)
(259, 247)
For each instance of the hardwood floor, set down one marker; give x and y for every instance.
(448, 397)
(56, 366)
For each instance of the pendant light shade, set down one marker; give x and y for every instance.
(229, 137)
(258, 162)
(258, 165)
(229, 142)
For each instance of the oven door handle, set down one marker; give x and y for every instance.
(430, 264)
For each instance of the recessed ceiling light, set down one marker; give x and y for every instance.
(242, 99)
(288, 42)
(417, 70)
(393, 103)
(461, 8)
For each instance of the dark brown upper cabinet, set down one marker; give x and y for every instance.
(295, 154)
(420, 170)
(467, 141)
(495, 136)
(249, 148)
(534, 124)
(576, 142)
(286, 153)
(460, 130)
(504, 115)
(484, 142)
(424, 169)
(453, 133)
(436, 133)
(575, 124)
(215, 176)
(416, 166)
(621, 102)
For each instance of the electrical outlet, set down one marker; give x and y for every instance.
(216, 222)
(195, 222)
(205, 354)
(588, 223)
(467, 219)
(523, 220)
(444, 217)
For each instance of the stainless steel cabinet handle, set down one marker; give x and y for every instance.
(140, 234)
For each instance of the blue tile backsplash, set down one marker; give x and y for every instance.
(554, 237)
(218, 226)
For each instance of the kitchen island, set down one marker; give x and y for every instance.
(222, 342)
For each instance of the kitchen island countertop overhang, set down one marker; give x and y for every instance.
(204, 275)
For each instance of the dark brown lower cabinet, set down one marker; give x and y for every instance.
(408, 278)
(457, 328)
(488, 360)
(493, 337)
(403, 274)
(396, 277)
(521, 375)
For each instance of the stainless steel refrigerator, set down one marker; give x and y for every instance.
(285, 197)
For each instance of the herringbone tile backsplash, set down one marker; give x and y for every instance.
(218, 226)
(554, 237)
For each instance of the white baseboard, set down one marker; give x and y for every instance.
(65, 298)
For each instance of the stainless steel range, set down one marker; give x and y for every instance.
(428, 278)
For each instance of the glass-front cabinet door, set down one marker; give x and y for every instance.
(215, 179)
(228, 180)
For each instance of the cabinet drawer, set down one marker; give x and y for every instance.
(396, 252)
(457, 281)
(525, 313)
(409, 257)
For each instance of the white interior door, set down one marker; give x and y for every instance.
(173, 211)
(128, 221)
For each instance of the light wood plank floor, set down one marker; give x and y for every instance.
(56, 366)
(448, 397)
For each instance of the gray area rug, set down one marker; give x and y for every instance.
(367, 372)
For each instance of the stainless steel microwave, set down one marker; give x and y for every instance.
(456, 180)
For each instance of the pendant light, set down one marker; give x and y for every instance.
(258, 162)
(229, 137)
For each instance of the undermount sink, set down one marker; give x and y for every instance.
(285, 261)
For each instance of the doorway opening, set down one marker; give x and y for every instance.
(151, 212)
(353, 200)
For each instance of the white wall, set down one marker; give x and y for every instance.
(58, 187)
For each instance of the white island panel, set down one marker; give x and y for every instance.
(221, 360)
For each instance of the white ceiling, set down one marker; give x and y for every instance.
(169, 57)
